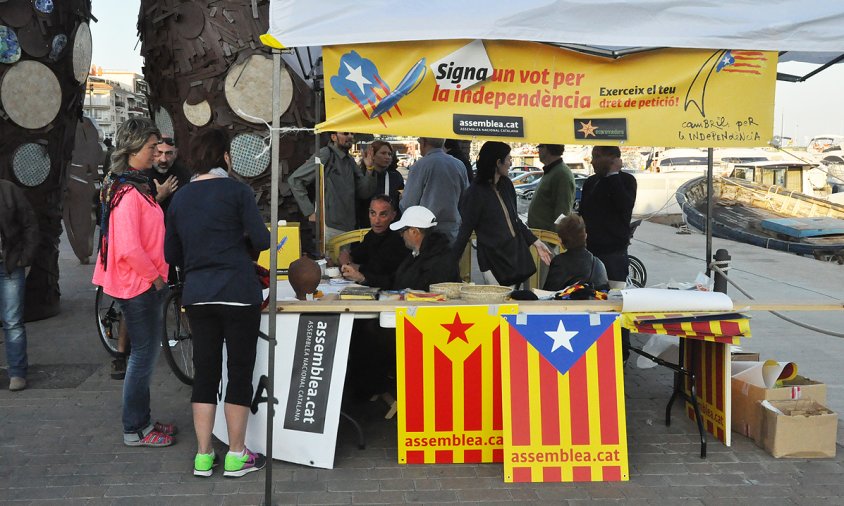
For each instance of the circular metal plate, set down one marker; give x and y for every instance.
(82, 52)
(164, 122)
(30, 94)
(17, 13)
(249, 89)
(10, 48)
(189, 20)
(198, 114)
(250, 155)
(31, 164)
(33, 42)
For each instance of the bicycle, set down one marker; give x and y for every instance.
(177, 341)
(109, 318)
(637, 275)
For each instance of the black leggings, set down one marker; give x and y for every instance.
(211, 325)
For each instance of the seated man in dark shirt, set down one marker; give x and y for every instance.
(431, 260)
(374, 261)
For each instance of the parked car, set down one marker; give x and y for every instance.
(518, 170)
(526, 177)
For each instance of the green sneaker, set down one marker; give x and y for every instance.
(239, 466)
(204, 463)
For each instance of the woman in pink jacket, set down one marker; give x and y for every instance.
(131, 268)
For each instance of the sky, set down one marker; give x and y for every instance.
(801, 110)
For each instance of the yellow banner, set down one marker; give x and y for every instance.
(531, 92)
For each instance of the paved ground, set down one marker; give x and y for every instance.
(60, 439)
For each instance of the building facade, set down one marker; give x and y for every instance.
(112, 97)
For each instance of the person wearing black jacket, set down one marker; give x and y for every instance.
(453, 148)
(18, 243)
(606, 206)
(431, 260)
(375, 260)
(488, 208)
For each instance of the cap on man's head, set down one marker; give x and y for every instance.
(415, 216)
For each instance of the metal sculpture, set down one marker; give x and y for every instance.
(45, 54)
(206, 67)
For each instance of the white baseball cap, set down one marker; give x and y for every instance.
(415, 216)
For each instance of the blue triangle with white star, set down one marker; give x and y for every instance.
(561, 339)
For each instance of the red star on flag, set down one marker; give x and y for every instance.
(457, 329)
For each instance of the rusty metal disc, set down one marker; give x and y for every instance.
(189, 20)
(33, 42)
(16, 13)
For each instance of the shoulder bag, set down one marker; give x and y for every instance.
(511, 262)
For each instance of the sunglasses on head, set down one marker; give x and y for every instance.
(168, 140)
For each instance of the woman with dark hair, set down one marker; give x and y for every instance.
(214, 228)
(380, 158)
(488, 208)
(131, 268)
(576, 263)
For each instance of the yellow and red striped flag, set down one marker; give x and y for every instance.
(710, 362)
(719, 328)
(564, 414)
(449, 384)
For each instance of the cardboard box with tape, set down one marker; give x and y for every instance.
(798, 429)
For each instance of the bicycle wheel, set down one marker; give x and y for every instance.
(637, 275)
(109, 318)
(178, 344)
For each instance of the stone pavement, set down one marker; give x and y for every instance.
(60, 439)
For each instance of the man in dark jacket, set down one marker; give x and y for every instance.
(375, 260)
(18, 243)
(431, 260)
(607, 207)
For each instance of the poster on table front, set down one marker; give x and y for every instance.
(449, 384)
(532, 92)
(310, 369)
(564, 412)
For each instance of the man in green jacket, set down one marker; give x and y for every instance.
(345, 182)
(555, 194)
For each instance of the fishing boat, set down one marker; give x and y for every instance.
(763, 203)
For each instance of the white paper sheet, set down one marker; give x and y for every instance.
(637, 300)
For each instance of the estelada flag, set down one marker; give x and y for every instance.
(449, 383)
(564, 415)
(714, 327)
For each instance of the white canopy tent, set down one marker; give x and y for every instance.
(801, 30)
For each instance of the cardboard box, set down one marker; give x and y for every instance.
(746, 414)
(289, 249)
(745, 356)
(801, 429)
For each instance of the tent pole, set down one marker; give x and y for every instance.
(709, 171)
(319, 200)
(271, 309)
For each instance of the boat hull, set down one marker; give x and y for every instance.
(739, 207)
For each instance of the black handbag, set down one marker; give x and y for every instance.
(510, 262)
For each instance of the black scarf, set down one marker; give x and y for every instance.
(114, 188)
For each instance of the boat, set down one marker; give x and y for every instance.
(762, 203)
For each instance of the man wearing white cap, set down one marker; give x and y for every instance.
(431, 260)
